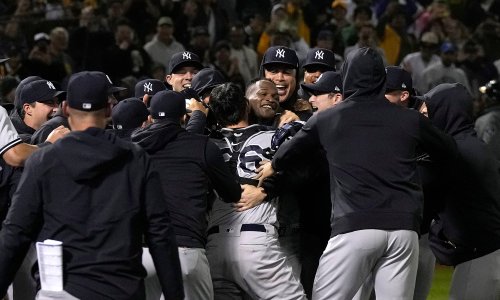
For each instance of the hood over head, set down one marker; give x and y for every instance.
(363, 74)
(449, 106)
(93, 152)
(155, 136)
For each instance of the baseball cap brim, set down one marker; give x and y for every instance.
(279, 62)
(49, 97)
(314, 89)
(191, 63)
(324, 66)
(115, 89)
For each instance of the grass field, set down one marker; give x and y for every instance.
(441, 283)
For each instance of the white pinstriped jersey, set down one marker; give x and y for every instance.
(243, 149)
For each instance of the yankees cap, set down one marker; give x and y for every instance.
(38, 91)
(148, 86)
(129, 113)
(89, 90)
(168, 105)
(398, 79)
(328, 82)
(320, 58)
(184, 58)
(207, 79)
(281, 55)
(17, 97)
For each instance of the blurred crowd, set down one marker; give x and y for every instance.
(134, 39)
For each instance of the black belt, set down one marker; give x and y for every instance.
(244, 227)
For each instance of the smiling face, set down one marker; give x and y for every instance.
(284, 78)
(181, 77)
(263, 99)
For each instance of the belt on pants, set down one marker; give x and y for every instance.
(244, 227)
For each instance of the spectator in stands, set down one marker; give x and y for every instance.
(164, 44)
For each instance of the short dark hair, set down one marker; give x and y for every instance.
(228, 104)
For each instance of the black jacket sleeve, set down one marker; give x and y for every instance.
(197, 122)
(21, 225)
(219, 174)
(160, 237)
(440, 146)
(302, 143)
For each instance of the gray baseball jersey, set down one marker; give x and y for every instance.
(8, 134)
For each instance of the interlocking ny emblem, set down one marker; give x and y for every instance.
(148, 87)
(186, 55)
(319, 54)
(280, 53)
(51, 85)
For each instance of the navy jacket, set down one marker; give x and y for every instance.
(99, 196)
(189, 166)
(371, 148)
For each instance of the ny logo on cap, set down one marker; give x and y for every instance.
(319, 54)
(148, 87)
(51, 85)
(280, 53)
(186, 55)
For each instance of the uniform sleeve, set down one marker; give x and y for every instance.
(222, 179)
(8, 134)
(22, 224)
(196, 123)
(301, 144)
(160, 238)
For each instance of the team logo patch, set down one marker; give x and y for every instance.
(319, 54)
(186, 55)
(148, 87)
(280, 53)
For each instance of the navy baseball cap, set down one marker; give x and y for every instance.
(89, 90)
(398, 79)
(129, 113)
(148, 86)
(280, 55)
(320, 58)
(207, 79)
(17, 96)
(168, 105)
(38, 91)
(185, 58)
(328, 82)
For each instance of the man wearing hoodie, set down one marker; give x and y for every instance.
(73, 192)
(466, 232)
(189, 165)
(371, 148)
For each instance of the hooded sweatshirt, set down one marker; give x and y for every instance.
(99, 196)
(471, 213)
(371, 148)
(189, 166)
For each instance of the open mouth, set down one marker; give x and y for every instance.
(281, 89)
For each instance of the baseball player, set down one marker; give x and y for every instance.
(466, 231)
(181, 69)
(243, 249)
(188, 165)
(371, 148)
